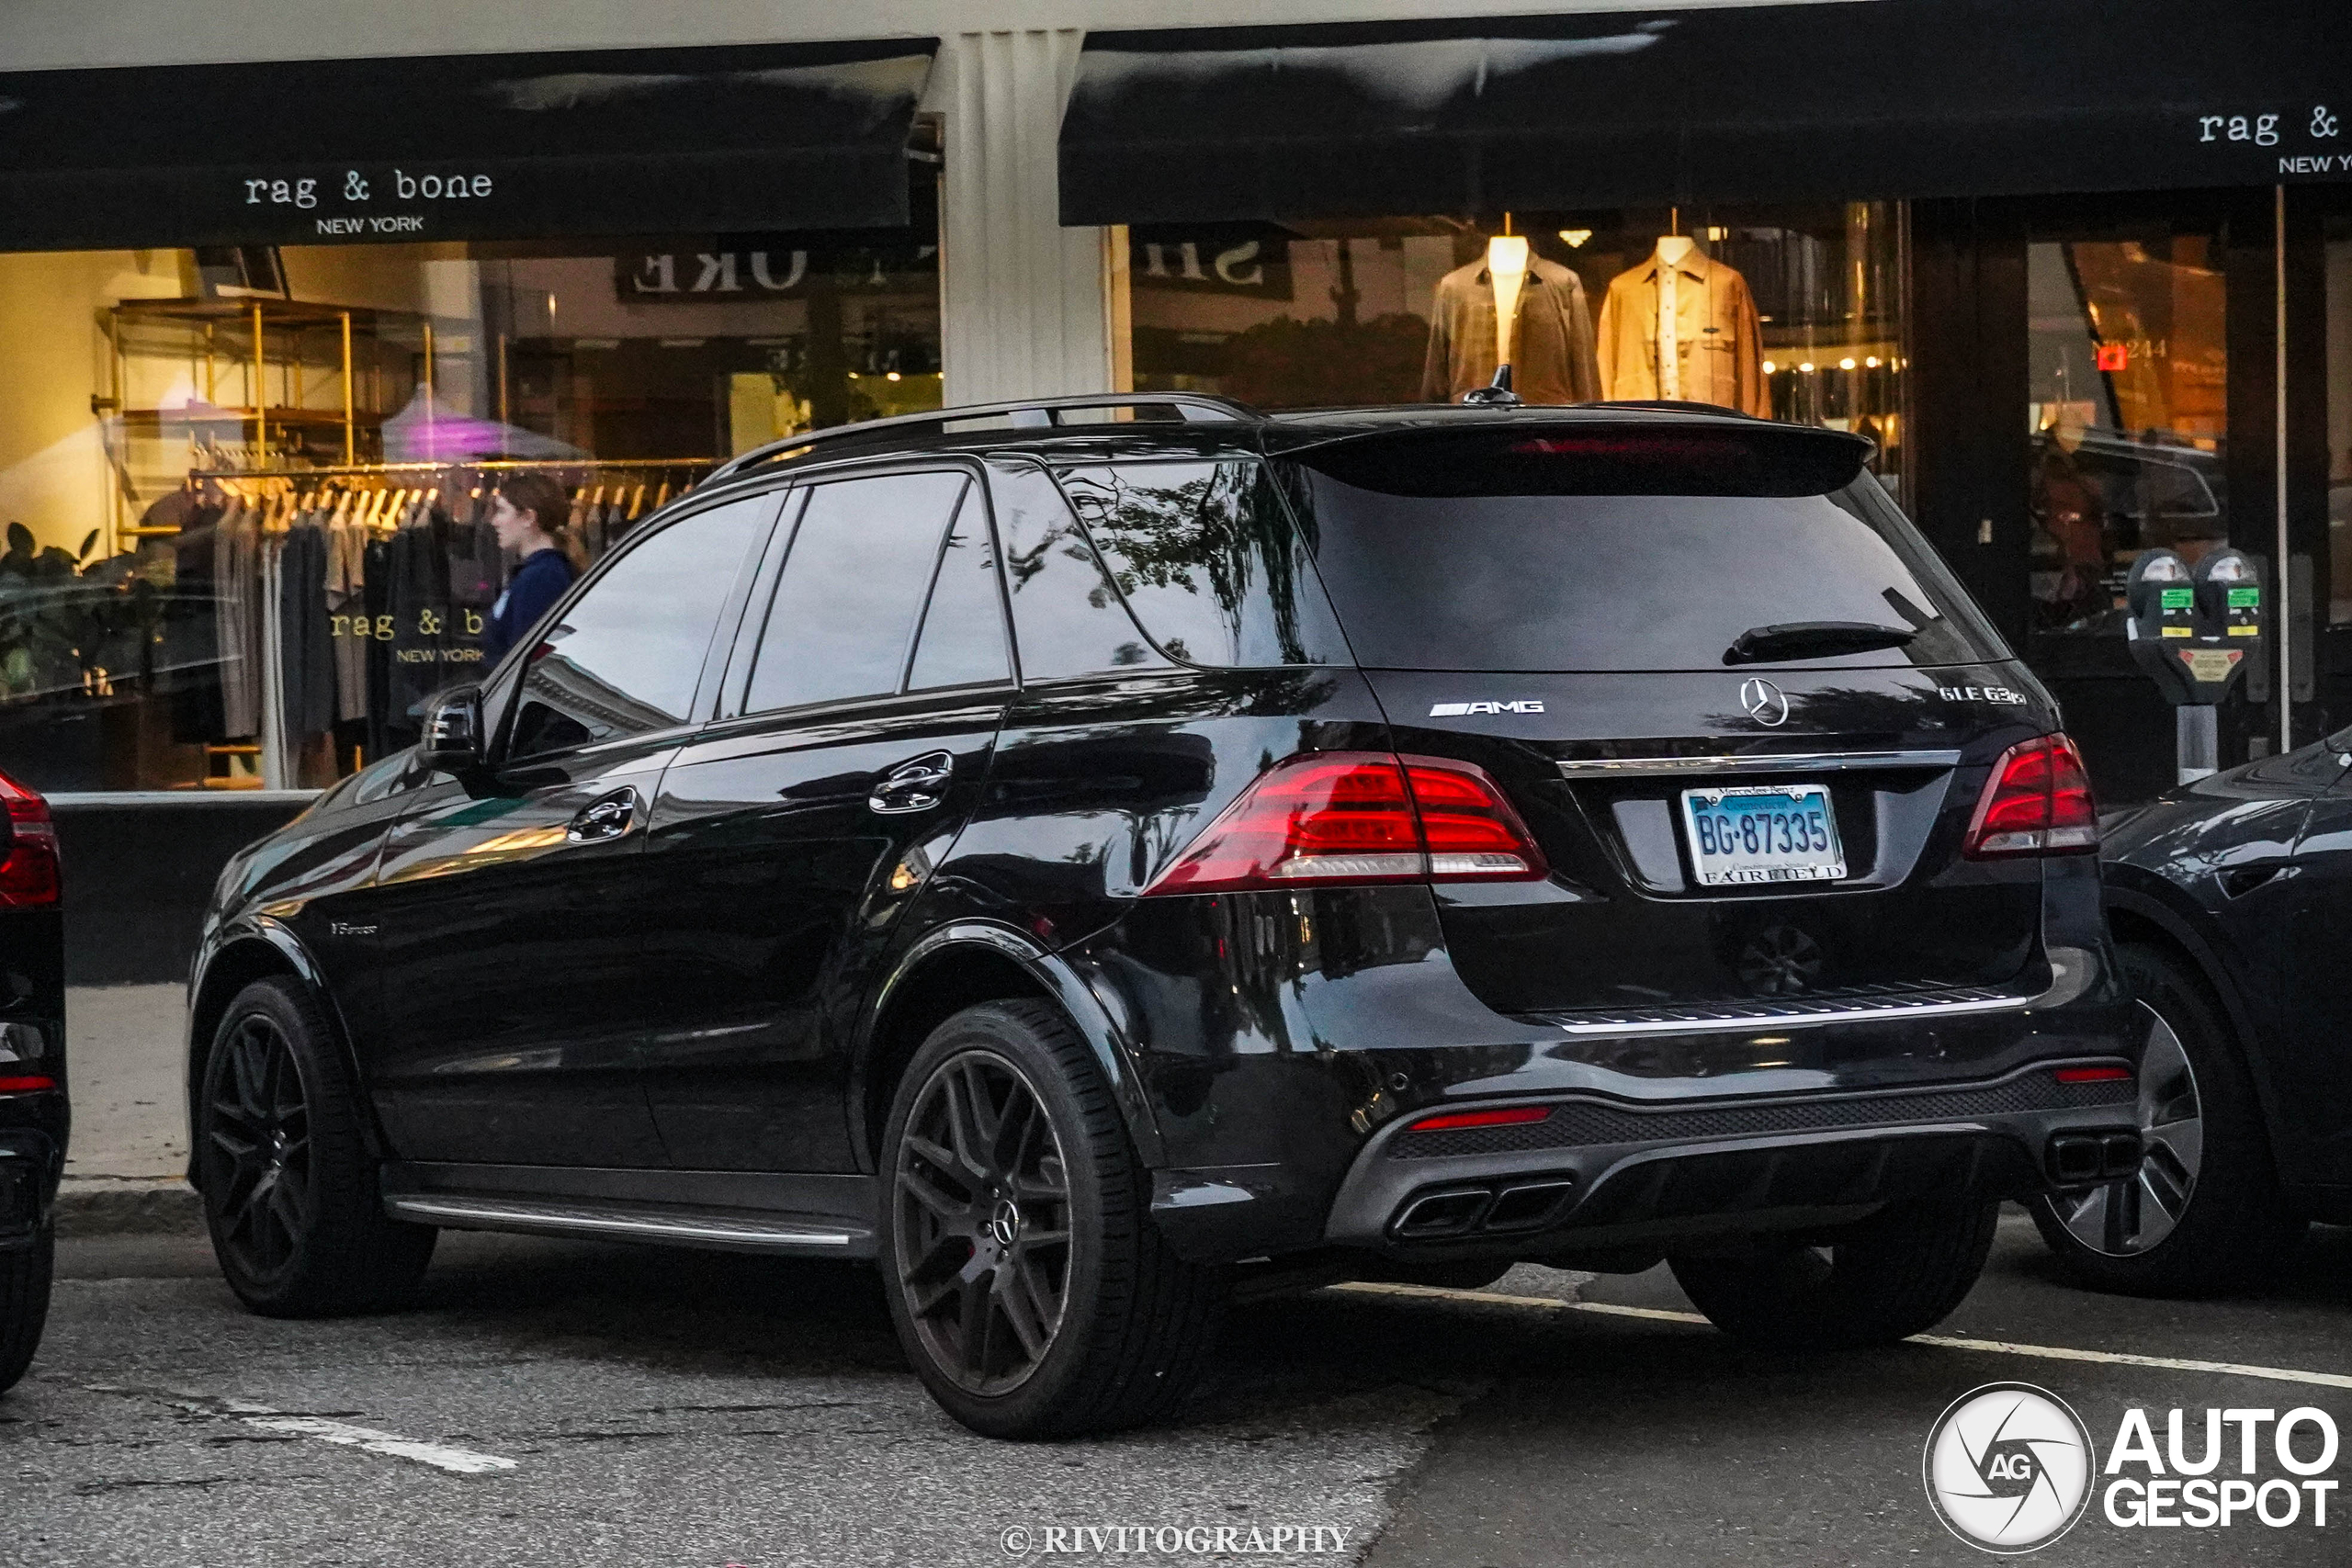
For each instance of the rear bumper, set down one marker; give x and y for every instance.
(1598, 1173)
(30, 1161)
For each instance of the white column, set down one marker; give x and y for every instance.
(1026, 302)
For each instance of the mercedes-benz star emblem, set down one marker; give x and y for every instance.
(1004, 1223)
(1765, 703)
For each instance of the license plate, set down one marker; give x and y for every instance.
(1747, 834)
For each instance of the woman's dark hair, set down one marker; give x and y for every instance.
(543, 498)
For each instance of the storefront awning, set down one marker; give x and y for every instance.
(1866, 99)
(738, 139)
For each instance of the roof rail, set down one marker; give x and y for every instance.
(1040, 413)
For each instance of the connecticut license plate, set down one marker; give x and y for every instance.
(1758, 833)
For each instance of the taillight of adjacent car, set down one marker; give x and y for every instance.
(28, 873)
(2037, 802)
(1329, 817)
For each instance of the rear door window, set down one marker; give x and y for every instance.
(962, 642)
(1067, 619)
(1453, 563)
(843, 618)
(1208, 559)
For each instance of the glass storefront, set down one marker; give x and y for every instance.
(245, 491)
(2127, 368)
(1789, 312)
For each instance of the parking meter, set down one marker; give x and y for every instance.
(2194, 631)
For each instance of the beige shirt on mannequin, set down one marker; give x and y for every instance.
(1718, 342)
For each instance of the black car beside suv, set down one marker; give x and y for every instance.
(1081, 855)
(33, 1113)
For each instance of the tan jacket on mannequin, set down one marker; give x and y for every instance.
(1719, 342)
(1551, 338)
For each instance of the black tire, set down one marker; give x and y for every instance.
(2227, 1226)
(23, 1303)
(1017, 1334)
(1902, 1276)
(291, 1194)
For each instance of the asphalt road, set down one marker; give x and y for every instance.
(627, 1407)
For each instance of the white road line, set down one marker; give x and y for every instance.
(463, 1461)
(1944, 1341)
(457, 1462)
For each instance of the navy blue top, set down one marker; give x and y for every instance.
(530, 593)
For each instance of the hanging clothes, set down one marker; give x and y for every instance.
(192, 630)
(306, 645)
(1688, 332)
(1552, 342)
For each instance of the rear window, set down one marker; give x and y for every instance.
(1454, 576)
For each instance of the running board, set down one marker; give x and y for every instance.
(727, 1231)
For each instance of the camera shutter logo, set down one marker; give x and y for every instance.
(2008, 1468)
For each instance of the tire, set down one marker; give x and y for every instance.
(1028, 1285)
(1901, 1276)
(23, 1303)
(290, 1192)
(2204, 1215)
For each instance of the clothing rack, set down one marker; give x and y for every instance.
(676, 475)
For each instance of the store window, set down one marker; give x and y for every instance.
(2128, 410)
(2339, 420)
(1791, 314)
(245, 490)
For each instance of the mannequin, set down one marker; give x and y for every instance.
(1682, 326)
(1507, 265)
(1511, 307)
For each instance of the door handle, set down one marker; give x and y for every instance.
(916, 784)
(604, 819)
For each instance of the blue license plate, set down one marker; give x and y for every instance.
(1748, 834)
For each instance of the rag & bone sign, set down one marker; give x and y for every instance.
(418, 193)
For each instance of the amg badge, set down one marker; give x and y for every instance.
(1459, 710)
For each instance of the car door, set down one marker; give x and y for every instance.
(517, 981)
(789, 836)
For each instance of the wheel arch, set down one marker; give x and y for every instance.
(257, 950)
(962, 965)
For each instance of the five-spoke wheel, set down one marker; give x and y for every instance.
(983, 1212)
(1030, 1288)
(257, 1132)
(289, 1184)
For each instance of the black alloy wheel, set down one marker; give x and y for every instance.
(258, 1128)
(288, 1180)
(1031, 1290)
(983, 1231)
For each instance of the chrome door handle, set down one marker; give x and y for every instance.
(917, 785)
(604, 819)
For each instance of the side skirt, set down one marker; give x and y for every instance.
(797, 1215)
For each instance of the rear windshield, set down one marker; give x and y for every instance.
(1625, 581)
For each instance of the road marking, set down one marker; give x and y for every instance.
(461, 1462)
(457, 1462)
(1943, 1341)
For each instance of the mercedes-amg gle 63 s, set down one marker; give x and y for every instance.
(1086, 855)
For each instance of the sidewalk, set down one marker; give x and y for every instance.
(128, 1152)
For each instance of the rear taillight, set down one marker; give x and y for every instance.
(1360, 817)
(28, 868)
(2037, 802)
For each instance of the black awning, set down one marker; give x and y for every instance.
(743, 139)
(1890, 98)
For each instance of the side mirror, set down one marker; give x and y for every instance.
(453, 740)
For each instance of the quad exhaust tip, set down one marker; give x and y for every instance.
(1495, 1207)
(2084, 1159)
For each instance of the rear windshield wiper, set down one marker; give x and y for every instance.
(1812, 639)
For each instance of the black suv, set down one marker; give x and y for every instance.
(32, 1069)
(1084, 854)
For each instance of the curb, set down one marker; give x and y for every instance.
(128, 1205)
